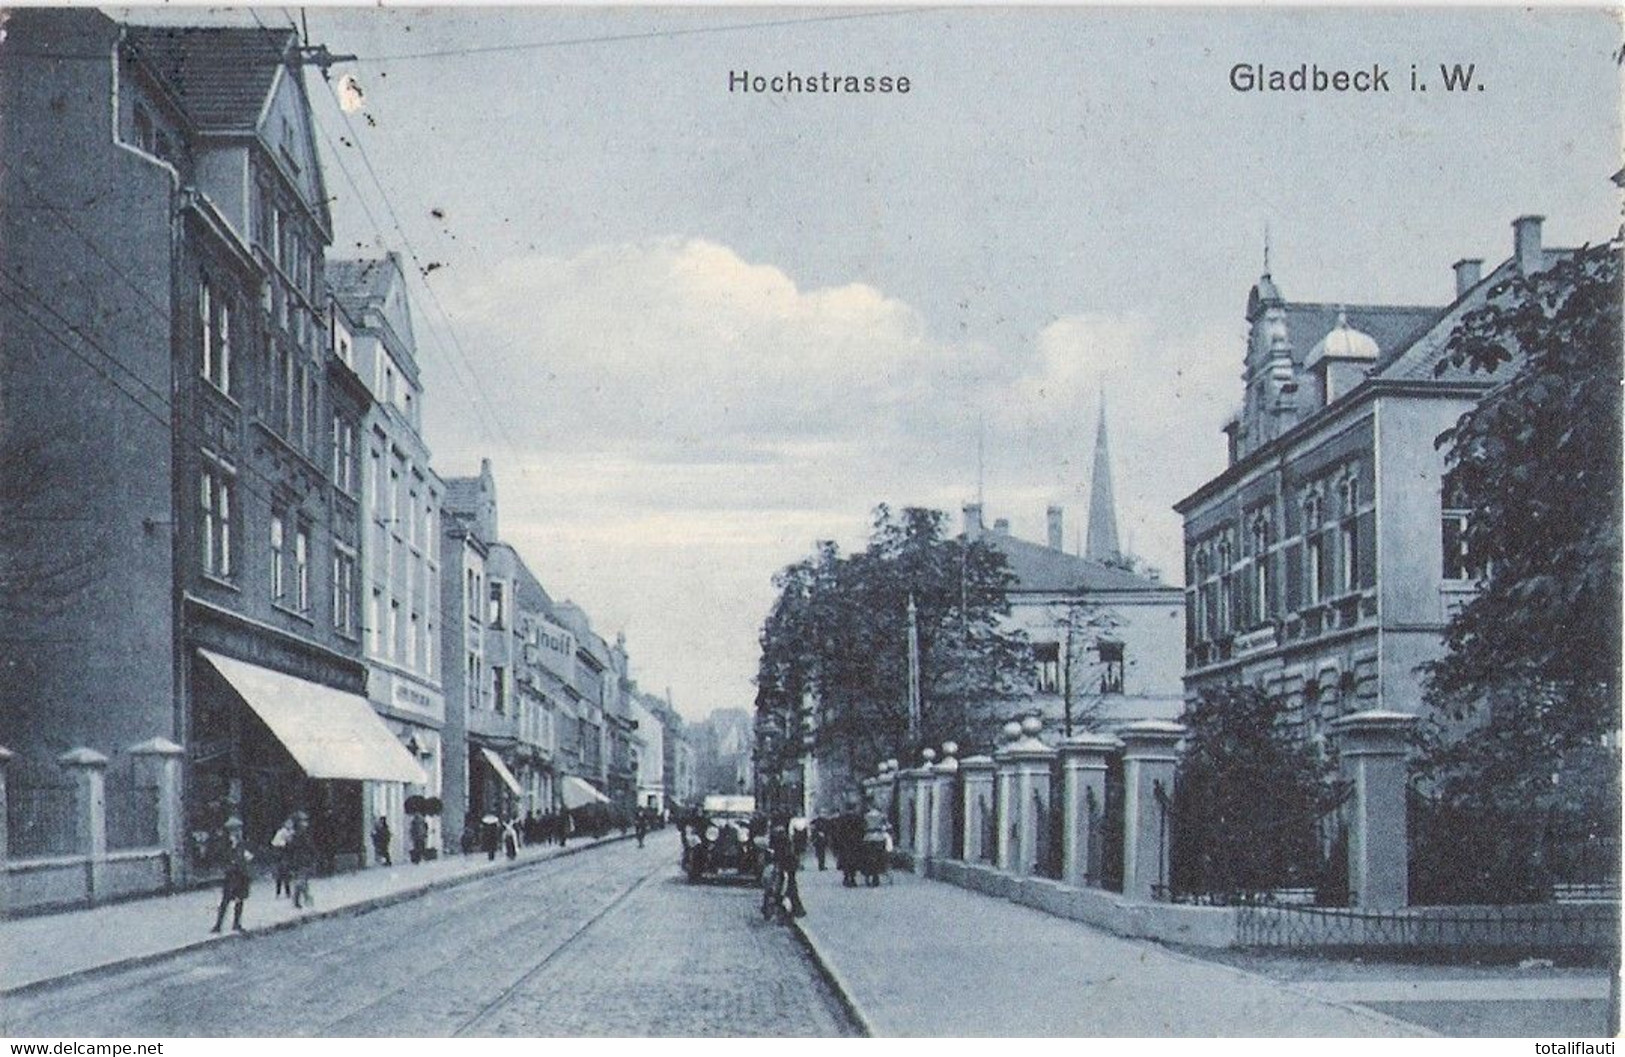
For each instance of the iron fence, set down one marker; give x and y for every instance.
(132, 809)
(1534, 928)
(42, 817)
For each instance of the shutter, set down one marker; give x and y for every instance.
(1294, 576)
(1366, 540)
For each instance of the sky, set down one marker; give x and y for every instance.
(697, 331)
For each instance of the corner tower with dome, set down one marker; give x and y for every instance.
(1325, 561)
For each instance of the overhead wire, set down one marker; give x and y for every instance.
(620, 38)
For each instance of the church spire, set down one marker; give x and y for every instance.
(1101, 542)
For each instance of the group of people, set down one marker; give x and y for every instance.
(294, 857)
(492, 833)
(861, 843)
(417, 832)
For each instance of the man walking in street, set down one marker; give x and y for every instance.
(235, 884)
(642, 825)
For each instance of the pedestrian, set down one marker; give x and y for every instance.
(510, 839)
(302, 854)
(566, 824)
(819, 832)
(380, 840)
(490, 837)
(235, 884)
(849, 845)
(280, 865)
(783, 895)
(418, 830)
(642, 827)
(876, 841)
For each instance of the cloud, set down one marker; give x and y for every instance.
(678, 423)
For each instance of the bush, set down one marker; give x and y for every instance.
(1249, 803)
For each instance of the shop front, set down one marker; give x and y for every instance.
(265, 744)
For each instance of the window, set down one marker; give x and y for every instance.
(1349, 535)
(1263, 610)
(1111, 667)
(279, 587)
(499, 688)
(1048, 657)
(343, 592)
(1224, 574)
(494, 613)
(397, 646)
(301, 569)
(473, 598)
(471, 682)
(216, 491)
(1315, 567)
(345, 471)
(377, 622)
(214, 328)
(307, 428)
(415, 635)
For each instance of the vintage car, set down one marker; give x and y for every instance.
(726, 837)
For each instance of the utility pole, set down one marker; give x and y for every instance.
(913, 673)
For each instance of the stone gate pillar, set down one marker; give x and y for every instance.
(1372, 748)
(945, 779)
(976, 786)
(5, 836)
(1150, 753)
(1025, 766)
(1083, 777)
(158, 763)
(89, 769)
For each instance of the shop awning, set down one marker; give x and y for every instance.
(329, 733)
(502, 771)
(578, 792)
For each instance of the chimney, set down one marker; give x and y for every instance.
(1469, 270)
(1002, 526)
(1526, 244)
(1053, 516)
(973, 521)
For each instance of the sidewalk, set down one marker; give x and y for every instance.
(51, 948)
(921, 958)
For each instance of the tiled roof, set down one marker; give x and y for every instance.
(1418, 361)
(355, 283)
(1041, 569)
(462, 494)
(220, 75)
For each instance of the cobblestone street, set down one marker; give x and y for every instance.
(611, 942)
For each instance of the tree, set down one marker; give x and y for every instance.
(1246, 813)
(1537, 463)
(834, 656)
(1530, 681)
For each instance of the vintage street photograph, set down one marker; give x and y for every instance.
(810, 522)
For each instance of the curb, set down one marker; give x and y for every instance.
(832, 977)
(357, 908)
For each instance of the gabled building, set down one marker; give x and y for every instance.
(398, 573)
(1106, 641)
(171, 397)
(1325, 561)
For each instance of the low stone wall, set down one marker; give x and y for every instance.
(35, 885)
(134, 873)
(42, 884)
(1168, 923)
(1537, 927)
